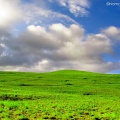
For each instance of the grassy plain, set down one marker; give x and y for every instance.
(60, 95)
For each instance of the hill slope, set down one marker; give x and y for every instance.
(64, 94)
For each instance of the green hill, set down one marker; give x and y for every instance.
(64, 94)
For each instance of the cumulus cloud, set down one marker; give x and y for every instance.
(56, 47)
(112, 32)
(76, 7)
(43, 45)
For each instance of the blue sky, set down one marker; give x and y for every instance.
(47, 35)
(100, 15)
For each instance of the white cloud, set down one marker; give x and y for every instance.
(10, 12)
(44, 17)
(14, 11)
(46, 46)
(112, 32)
(57, 47)
(36, 29)
(76, 7)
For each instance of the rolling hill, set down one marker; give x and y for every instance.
(64, 94)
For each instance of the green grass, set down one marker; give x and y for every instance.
(60, 95)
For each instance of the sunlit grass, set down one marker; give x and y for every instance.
(66, 94)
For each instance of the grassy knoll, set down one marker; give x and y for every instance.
(60, 95)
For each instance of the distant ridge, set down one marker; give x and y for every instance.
(69, 71)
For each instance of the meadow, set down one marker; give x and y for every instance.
(60, 95)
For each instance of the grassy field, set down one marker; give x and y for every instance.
(60, 95)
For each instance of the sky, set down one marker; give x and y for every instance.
(48, 35)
